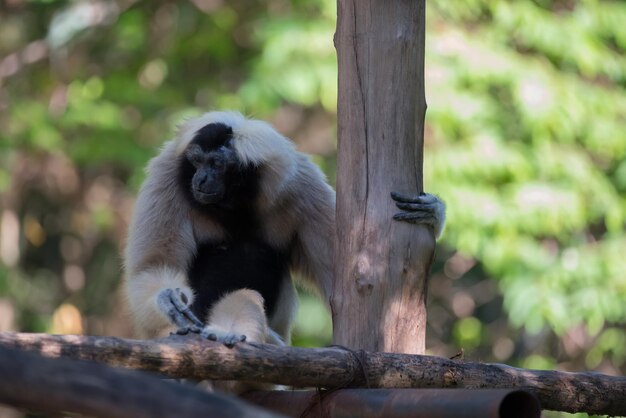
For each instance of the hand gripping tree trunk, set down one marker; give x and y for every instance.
(381, 266)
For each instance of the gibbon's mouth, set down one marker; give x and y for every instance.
(204, 197)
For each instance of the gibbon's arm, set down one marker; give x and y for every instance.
(315, 233)
(314, 249)
(160, 245)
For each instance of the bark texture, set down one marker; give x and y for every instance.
(58, 386)
(330, 368)
(381, 266)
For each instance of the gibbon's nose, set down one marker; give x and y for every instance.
(202, 178)
(205, 182)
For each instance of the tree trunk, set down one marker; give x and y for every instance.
(381, 266)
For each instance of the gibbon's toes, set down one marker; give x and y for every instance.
(172, 302)
(232, 339)
(229, 339)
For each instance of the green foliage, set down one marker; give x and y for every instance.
(527, 111)
(527, 103)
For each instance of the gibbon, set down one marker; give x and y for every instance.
(228, 211)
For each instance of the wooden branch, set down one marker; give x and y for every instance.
(381, 265)
(33, 382)
(331, 368)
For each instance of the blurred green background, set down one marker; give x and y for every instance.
(525, 140)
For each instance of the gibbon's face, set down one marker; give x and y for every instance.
(210, 164)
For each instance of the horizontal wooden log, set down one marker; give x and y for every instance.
(54, 386)
(332, 367)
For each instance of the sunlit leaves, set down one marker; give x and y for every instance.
(313, 323)
(526, 142)
(130, 31)
(31, 126)
(298, 61)
(467, 332)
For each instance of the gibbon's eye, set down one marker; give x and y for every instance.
(216, 163)
(195, 159)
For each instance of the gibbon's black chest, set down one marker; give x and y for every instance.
(243, 259)
(250, 263)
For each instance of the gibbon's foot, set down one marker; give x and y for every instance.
(229, 339)
(174, 303)
(423, 209)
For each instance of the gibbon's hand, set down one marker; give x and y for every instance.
(423, 209)
(174, 304)
(229, 339)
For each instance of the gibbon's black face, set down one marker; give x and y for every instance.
(210, 164)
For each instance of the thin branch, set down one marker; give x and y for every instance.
(331, 368)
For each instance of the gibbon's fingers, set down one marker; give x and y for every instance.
(399, 197)
(169, 302)
(417, 207)
(415, 217)
(181, 303)
(423, 209)
(229, 339)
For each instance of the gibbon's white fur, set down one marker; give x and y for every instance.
(296, 209)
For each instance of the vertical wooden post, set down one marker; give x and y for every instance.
(381, 265)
